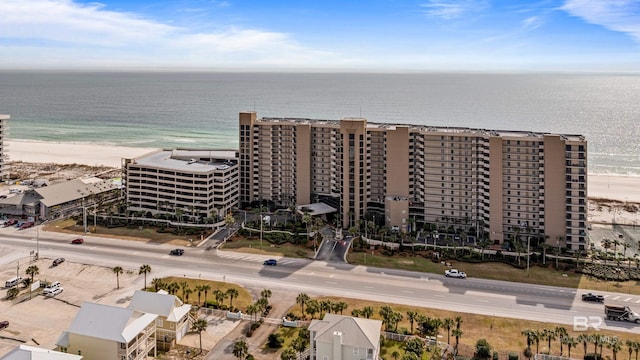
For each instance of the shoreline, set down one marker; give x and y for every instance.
(601, 187)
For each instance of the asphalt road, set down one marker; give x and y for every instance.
(489, 297)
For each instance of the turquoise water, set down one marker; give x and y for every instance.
(200, 110)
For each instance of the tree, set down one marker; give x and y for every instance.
(145, 269)
(32, 271)
(367, 312)
(265, 294)
(584, 339)
(187, 292)
(232, 293)
(561, 333)
(411, 317)
(199, 290)
(615, 345)
(205, 289)
(415, 346)
(395, 355)
(448, 324)
(571, 342)
(117, 270)
(158, 284)
(483, 349)
(240, 349)
(288, 354)
(528, 334)
(299, 344)
(457, 333)
(307, 219)
(313, 307)
(172, 288)
(302, 299)
(199, 326)
(184, 286)
(229, 221)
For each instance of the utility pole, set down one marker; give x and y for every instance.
(528, 253)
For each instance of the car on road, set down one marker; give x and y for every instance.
(592, 297)
(77, 241)
(454, 273)
(176, 252)
(10, 222)
(58, 261)
(270, 262)
(4, 324)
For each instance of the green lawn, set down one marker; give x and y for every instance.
(255, 246)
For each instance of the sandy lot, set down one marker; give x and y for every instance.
(41, 319)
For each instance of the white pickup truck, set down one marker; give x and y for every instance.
(455, 273)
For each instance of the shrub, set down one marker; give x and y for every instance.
(275, 341)
(592, 356)
(513, 356)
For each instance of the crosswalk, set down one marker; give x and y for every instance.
(258, 258)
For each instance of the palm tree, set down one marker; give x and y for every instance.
(266, 294)
(199, 326)
(457, 333)
(302, 299)
(411, 316)
(229, 221)
(395, 355)
(32, 271)
(448, 324)
(172, 288)
(199, 290)
(615, 345)
(561, 333)
(232, 293)
(584, 339)
(117, 270)
(184, 286)
(571, 342)
(205, 289)
(367, 311)
(145, 269)
(158, 283)
(528, 333)
(240, 349)
(187, 292)
(630, 344)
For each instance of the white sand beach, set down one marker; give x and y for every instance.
(609, 195)
(70, 153)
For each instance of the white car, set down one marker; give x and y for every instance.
(53, 292)
(455, 273)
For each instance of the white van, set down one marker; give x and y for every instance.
(12, 282)
(53, 289)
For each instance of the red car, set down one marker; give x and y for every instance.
(77, 241)
(26, 225)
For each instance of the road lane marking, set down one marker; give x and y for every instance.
(627, 299)
(616, 298)
(407, 292)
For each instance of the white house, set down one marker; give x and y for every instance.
(338, 337)
(25, 352)
(173, 320)
(111, 333)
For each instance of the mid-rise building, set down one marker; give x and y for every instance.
(196, 184)
(496, 184)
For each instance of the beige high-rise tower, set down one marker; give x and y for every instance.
(495, 184)
(4, 128)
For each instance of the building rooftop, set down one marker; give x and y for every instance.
(193, 161)
(107, 323)
(73, 190)
(356, 332)
(159, 303)
(25, 352)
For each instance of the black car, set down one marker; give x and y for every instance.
(58, 261)
(4, 324)
(176, 252)
(592, 297)
(270, 262)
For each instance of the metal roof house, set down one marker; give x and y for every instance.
(111, 333)
(25, 352)
(68, 198)
(338, 337)
(173, 321)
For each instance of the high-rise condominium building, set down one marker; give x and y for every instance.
(4, 128)
(496, 184)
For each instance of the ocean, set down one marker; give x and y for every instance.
(200, 109)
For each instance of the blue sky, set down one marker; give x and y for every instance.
(374, 35)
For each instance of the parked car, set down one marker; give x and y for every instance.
(4, 324)
(270, 262)
(26, 225)
(176, 252)
(10, 222)
(77, 241)
(53, 292)
(592, 297)
(58, 261)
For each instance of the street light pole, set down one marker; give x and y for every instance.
(528, 253)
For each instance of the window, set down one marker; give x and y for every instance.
(159, 323)
(356, 351)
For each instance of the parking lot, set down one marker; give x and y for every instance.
(41, 320)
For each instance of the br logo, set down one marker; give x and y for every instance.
(583, 323)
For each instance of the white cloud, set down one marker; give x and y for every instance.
(531, 23)
(450, 9)
(616, 15)
(78, 34)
